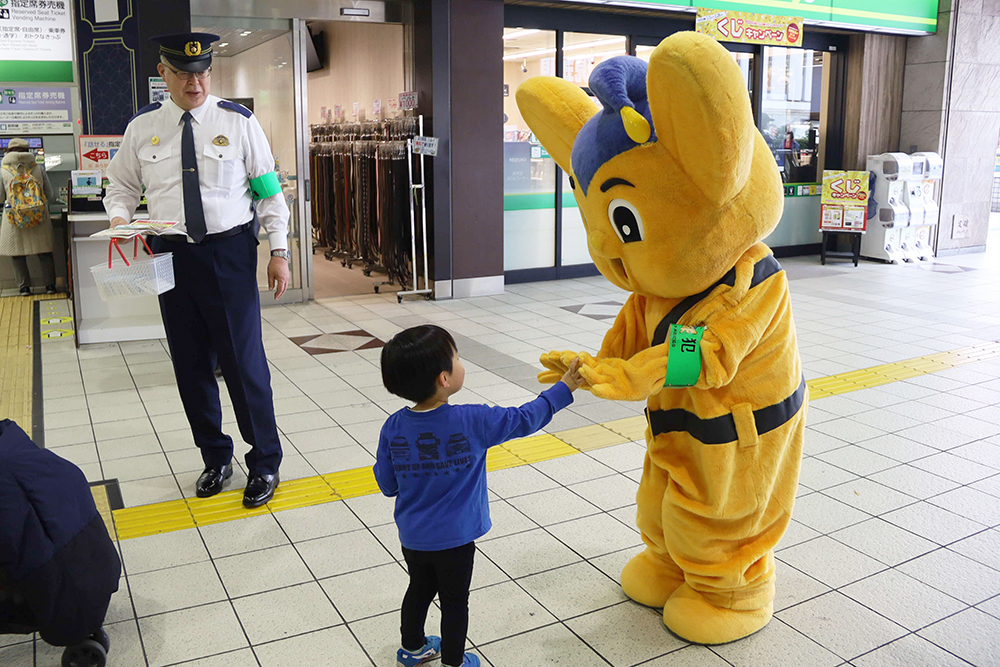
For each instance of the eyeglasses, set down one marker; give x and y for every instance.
(187, 76)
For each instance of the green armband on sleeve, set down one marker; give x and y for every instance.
(684, 355)
(265, 186)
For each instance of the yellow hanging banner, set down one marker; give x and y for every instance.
(728, 26)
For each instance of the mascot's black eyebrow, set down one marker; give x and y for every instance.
(612, 182)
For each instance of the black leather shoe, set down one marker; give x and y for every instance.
(260, 489)
(213, 480)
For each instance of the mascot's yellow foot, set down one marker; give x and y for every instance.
(650, 580)
(691, 617)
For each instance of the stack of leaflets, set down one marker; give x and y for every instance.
(137, 228)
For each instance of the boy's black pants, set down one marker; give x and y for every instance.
(447, 574)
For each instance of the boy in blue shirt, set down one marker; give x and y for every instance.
(432, 458)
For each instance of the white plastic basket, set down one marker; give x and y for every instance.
(140, 277)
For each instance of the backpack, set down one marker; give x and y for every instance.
(25, 205)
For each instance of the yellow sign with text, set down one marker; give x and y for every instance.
(729, 26)
(845, 187)
(844, 202)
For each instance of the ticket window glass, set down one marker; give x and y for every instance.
(582, 52)
(529, 183)
(253, 65)
(791, 110)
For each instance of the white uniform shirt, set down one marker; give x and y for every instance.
(150, 155)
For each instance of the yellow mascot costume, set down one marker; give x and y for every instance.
(676, 188)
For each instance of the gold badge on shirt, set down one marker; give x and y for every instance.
(155, 141)
(221, 140)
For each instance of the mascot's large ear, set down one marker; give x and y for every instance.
(701, 112)
(555, 110)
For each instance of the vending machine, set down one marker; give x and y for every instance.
(889, 213)
(918, 238)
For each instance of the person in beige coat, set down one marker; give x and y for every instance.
(16, 242)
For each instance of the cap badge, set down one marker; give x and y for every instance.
(221, 140)
(193, 48)
(155, 141)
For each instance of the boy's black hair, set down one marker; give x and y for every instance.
(413, 359)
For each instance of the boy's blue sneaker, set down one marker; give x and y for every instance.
(471, 660)
(430, 651)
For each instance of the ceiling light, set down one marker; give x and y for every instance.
(589, 45)
(520, 32)
(354, 11)
(530, 54)
(223, 44)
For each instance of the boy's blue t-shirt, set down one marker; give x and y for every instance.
(434, 462)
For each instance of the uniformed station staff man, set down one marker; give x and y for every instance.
(206, 163)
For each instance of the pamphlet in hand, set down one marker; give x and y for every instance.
(133, 229)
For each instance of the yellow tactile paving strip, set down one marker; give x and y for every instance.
(900, 370)
(16, 357)
(100, 494)
(180, 514)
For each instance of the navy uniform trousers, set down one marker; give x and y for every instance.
(213, 313)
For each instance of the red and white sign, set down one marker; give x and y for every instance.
(376, 107)
(408, 100)
(96, 150)
(393, 104)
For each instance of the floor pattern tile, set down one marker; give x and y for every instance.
(891, 558)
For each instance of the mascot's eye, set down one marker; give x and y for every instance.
(572, 183)
(626, 220)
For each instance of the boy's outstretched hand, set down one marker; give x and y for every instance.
(572, 378)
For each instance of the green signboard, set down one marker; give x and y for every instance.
(902, 16)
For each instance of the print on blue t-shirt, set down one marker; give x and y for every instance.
(427, 447)
(434, 463)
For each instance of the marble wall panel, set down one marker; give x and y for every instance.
(967, 33)
(988, 48)
(970, 6)
(975, 87)
(923, 87)
(930, 48)
(921, 129)
(979, 223)
(953, 186)
(973, 134)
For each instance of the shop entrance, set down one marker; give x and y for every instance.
(326, 94)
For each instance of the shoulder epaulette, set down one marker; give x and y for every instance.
(234, 106)
(146, 109)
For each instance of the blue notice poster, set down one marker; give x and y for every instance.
(35, 110)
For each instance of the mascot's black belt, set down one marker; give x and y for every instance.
(722, 429)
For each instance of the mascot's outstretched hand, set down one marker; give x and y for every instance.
(676, 188)
(557, 363)
(619, 380)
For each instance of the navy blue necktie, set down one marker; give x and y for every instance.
(194, 214)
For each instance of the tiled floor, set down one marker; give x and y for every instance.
(893, 557)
